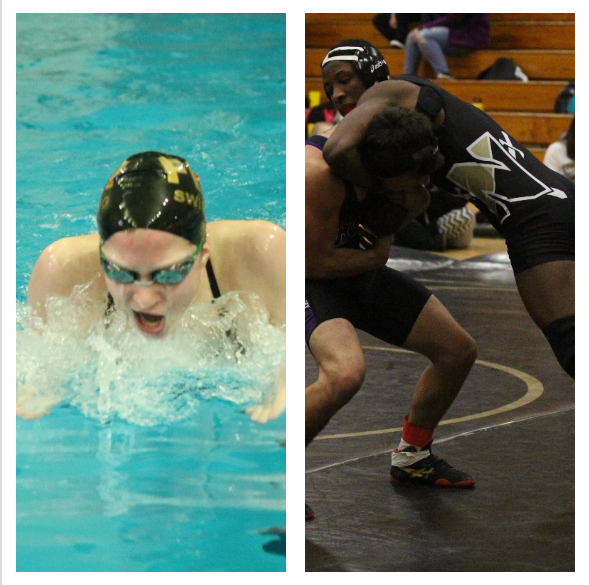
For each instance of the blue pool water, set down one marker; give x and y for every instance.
(168, 474)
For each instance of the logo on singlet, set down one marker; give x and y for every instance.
(346, 232)
(479, 177)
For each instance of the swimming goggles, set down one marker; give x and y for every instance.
(172, 275)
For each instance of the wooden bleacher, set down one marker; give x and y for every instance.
(542, 44)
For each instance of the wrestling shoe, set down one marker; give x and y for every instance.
(309, 514)
(411, 466)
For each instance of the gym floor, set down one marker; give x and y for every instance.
(511, 427)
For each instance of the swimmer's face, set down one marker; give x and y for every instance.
(341, 80)
(157, 308)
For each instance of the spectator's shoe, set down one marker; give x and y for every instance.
(396, 45)
(309, 514)
(444, 76)
(411, 466)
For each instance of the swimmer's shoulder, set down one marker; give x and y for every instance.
(242, 237)
(74, 256)
(241, 250)
(64, 264)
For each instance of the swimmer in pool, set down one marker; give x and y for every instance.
(154, 256)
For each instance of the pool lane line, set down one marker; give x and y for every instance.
(534, 391)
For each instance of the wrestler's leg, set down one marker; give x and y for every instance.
(452, 352)
(548, 293)
(340, 358)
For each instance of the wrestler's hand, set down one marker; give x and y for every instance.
(390, 209)
(380, 215)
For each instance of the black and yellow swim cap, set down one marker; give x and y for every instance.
(153, 190)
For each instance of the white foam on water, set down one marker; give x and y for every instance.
(227, 350)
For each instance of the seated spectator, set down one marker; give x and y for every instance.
(560, 155)
(395, 27)
(447, 223)
(451, 33)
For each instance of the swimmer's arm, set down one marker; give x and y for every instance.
(323, 198)
(275, 406)
(267, 264)
(49, 277)
(264, 259)
(61, 267)
(31, 405)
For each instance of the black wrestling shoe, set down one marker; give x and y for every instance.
(411, 466)
(309, 514)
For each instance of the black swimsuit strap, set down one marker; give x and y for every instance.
(110, 305)
(213, 280)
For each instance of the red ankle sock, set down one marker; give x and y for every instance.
(416, 436)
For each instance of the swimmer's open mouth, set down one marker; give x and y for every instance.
(147, 323)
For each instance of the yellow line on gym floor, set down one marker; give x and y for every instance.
(534, 391)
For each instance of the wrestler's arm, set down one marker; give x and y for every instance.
(341, 150)
(324, 194)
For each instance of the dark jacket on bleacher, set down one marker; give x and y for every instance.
(466, 30)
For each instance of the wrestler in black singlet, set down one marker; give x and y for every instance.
(383, 302)
(530, 205)
(347, 231)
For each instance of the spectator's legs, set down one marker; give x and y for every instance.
(432, 42)
(412, 56)
(403, 22)
(381, 23)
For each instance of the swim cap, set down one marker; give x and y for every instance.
(367, 59)
(153, 190)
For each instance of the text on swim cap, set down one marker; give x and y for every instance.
(190, 198)
(172, 166)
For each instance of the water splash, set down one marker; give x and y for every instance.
(223, 351)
